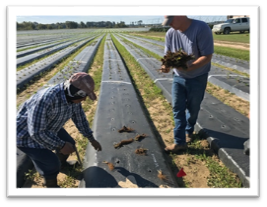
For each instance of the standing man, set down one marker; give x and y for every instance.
(40, 123)
(188, 88)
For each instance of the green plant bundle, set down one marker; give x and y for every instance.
(176, 59)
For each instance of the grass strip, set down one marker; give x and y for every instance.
(232, 52)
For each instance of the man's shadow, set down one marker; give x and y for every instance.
(135, 178)
(223, 140)
(96, 177)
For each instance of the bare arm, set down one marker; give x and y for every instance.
(201, 61)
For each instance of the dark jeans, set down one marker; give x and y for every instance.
(187, 95)
(45, 161)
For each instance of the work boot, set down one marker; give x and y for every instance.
(52, 183)
(64, 163)
(175, 148)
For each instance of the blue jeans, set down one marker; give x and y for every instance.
(187, 95)
(45, 161)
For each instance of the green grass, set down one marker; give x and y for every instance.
(233, 37)
(232, 52)
(226, 51)
(220, 176)
(97, 76)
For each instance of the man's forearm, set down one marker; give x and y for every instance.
(201, 61)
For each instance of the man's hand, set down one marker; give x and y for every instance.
(165, 69)
(96, 145)
(67, 149)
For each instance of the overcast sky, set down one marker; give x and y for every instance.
(149, 14)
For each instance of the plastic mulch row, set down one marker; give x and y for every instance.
(118, 106)
(27, 74)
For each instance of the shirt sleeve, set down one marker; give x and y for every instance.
(167, 43)
(81, 122)
(37, 124)
(205, 41)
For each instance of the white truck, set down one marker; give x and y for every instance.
(240, 24)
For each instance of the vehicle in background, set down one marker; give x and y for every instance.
(240, 24)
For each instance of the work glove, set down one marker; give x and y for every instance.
(96, 145)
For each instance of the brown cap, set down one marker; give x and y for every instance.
(167, 20)
(84, 82)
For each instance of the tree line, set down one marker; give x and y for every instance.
(69, 25)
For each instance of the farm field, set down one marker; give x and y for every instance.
(132, 92)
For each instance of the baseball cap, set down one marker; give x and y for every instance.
(167, 20)
(84, 82)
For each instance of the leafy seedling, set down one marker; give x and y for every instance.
(175, 60)
(140, 137)
(125, 129)
(123, 142)
(141, 151)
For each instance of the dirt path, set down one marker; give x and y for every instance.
(237, 45)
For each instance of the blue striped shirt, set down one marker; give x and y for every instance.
(44, 114)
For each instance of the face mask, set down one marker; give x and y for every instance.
(73, 93)
(80, 93)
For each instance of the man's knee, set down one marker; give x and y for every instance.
(52, 169)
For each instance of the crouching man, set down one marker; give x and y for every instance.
(40, 123)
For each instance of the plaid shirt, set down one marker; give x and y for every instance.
(44, 114)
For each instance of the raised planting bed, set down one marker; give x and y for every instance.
(147, 40)
(236, 84)
(119, 120)
(155, 48)
(36, 49)
(25, 41)
(240, 65)
(27, 74)
(31, 57)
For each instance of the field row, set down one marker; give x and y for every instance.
(118, 104)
